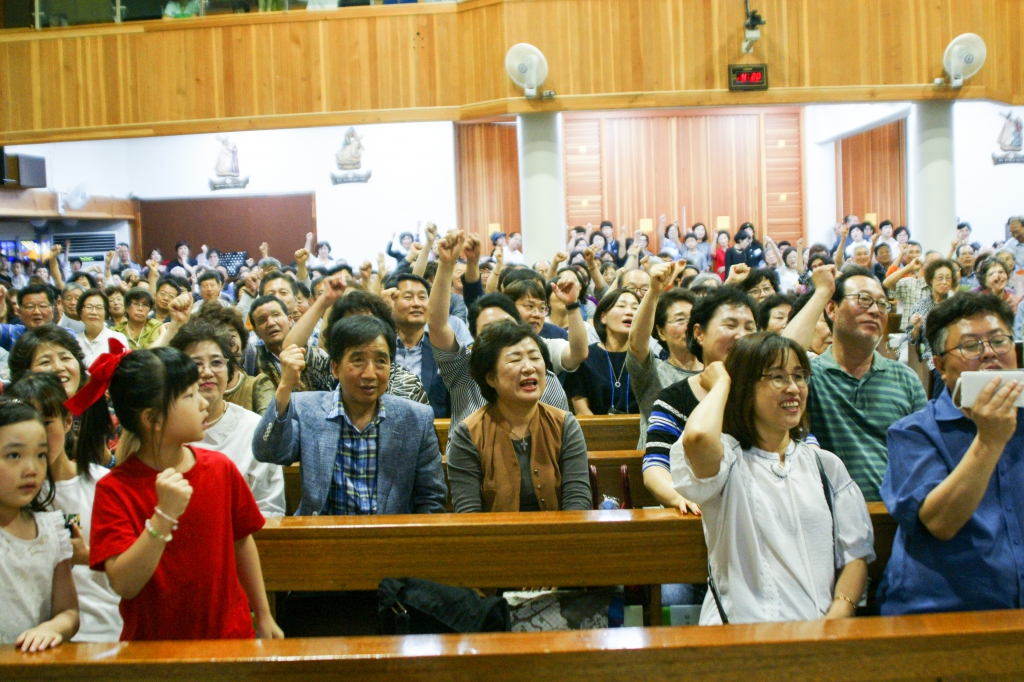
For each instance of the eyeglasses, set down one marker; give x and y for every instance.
(92, 308)
(32, 307)
(215, 365)
(1001, 344)
(766, 290)
(138, 304)
(780, 380)
(529, 308)
(639, 291)
(679, 321)
(865, 301)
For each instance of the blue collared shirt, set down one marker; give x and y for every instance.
(982, 566)
(354, 479)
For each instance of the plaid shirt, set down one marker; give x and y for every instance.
(354, 480)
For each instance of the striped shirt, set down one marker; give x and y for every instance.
(668, 418)
(353, 488)
(465, 394)
(851, 416)
(405, 384)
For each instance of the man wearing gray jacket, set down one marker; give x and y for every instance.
(362, 451)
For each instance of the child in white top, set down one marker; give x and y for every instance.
(37, 594)
(75, 490)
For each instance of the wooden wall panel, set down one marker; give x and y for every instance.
(583, 191)
(229, 223)
(487, 178)
(783, 175)
(873, 173)
(444, 61)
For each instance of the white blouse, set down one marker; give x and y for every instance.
(232, 435)
(94, 349)
(768, 532)
(26, 574)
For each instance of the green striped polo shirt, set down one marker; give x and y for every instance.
(850, 417)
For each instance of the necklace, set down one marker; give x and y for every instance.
(618, 379)
(209, 424)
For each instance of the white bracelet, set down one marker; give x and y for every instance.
(155, 534)
(173, 521)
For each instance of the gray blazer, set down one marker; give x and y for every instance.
(410, 479)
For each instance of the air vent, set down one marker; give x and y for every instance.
(88, 243)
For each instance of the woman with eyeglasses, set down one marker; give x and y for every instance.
(761, 283)
(994, 276)
(93, 310)
(941, 276)
(229, 427)
(788, 532)
(139, 328)
(602, 384)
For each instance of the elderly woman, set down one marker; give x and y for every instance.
(229, 428)
(773, 312)
(93, 310)
(516, 453)
(994, 276)
(761, 283)
(941, 277)
(774, 507)
(254, 393)
(601, 385)
(139, 328)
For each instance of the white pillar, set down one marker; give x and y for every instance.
(931, 184)
(541, 185)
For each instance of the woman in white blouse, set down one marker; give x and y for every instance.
(93, 310)
(775, 551)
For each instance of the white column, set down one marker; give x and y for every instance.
(931, 186)
(541, 185)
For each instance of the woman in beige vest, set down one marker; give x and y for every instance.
(516, 453)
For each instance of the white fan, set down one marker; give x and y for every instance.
(963, 58)
(76, 199)
(526, 66)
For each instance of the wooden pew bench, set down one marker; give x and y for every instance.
(602, 432)
(964, 646)
(609, 476)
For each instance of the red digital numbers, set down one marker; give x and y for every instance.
(749, 77)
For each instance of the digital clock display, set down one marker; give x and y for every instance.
(748, 76)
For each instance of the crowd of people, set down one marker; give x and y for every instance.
(148, 411)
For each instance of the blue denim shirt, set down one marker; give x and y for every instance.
(982, 566)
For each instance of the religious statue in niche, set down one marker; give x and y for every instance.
(349, 159)
(226, 168)
(1011, 140)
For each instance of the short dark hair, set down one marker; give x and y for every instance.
(167, 280)
(848, 272)
(964, 304)
(960, 226)
(263, 300)
(136, 293)
(987, 265)
(359, 302)
(16, 412)
(111, 290)
(525, 288)
(517, 273)
(823, 257)
(606, 303)
(358, 330)
(801, 301)
(764, 310)
(604, 224)
(706, 308)
(936, 265)
(320, 245)
(758, 275)
(748, 360)
(32, 289)
(881, 244)
(488, 347)
(279, 274)
(28, 343)
(90, 280)
(898, 230)
(198, 330)
(409, 277)
(492, 300)
(180, 244)
(666, 301)
(210, 273)
(89, 293)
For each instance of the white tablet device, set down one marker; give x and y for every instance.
(972, 383)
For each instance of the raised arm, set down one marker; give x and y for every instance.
(556, 260)
(800, 256)
(589, 255)
(910, 268)
(334, 288)
(844, 231)
(301, 258)
(153, 275)
(801, 327)
(662, 276)
(499, 264)
(53, 263)
(420, 266)
(442, 336)
(770, 244)
(702, 437)
(181, 310)
(567, 290)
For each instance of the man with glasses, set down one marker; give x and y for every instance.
(856, 394)
(955, 482)
(36, 304)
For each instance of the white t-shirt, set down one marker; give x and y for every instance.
(555, 349)
(101, 345)
(74, 326)
(26, 574)
(97, 601)
(513, 257)
(788, 279)
(232, 435)
(851, 245)
(768, 531)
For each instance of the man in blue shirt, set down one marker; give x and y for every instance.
(955, 481)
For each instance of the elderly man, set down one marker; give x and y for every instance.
(856, 394)
(955, 483)
(36, 305)
(363, 452)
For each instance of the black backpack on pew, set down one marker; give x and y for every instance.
(410, 606)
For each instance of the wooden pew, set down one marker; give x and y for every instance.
(608, 463)
(602, 432)
(962, 646)
(570, 549)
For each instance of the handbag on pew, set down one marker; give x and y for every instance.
(832, 512)
(600, 501)
(410, 606)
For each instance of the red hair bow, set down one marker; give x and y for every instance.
(100, 373)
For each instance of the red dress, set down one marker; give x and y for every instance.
(719, 263)
(194, 592)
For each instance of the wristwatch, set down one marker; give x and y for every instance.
(573, 306)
